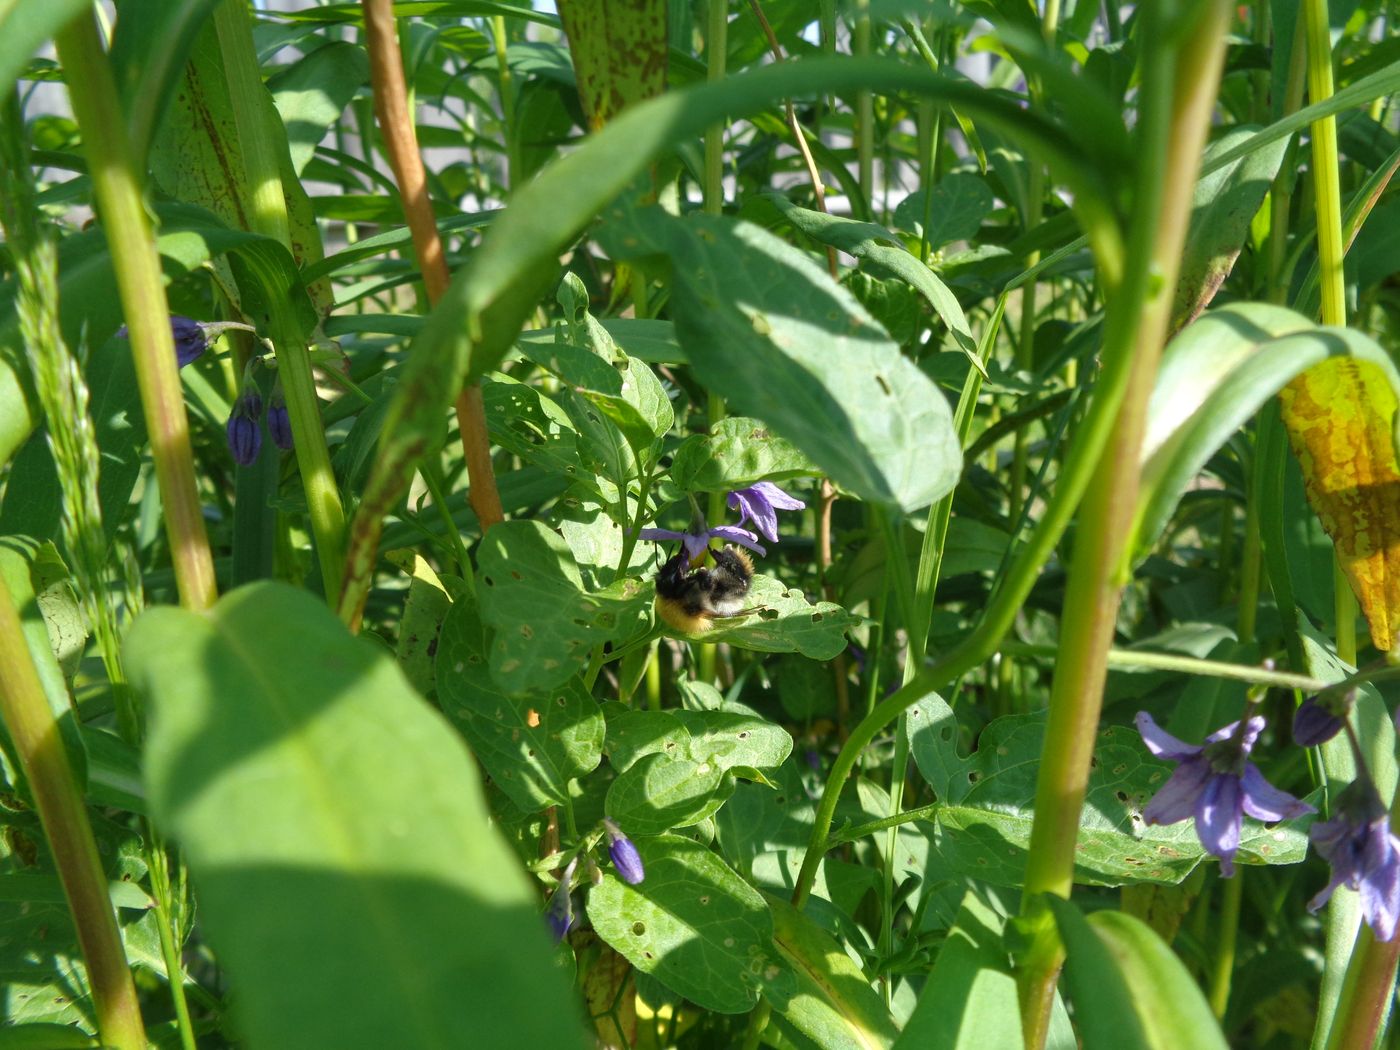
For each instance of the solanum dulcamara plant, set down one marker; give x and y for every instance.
(703, 524)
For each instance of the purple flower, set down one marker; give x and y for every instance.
(244, 430)
(1364, 854)
(760, 503)
(560, 913)
(696, 543)
(1320, 718)
(279, 423)
(191, 338)
(1216, 784)
(623, 852)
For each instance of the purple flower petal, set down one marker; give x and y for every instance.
(777, 497)
(1263, 801)
(693, 544)
(1380, 894)
(1161, 743)
(1177, 799)
(1218, 816)
(743, 537)
(760, 503)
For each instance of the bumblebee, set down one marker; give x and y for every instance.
(690, 599)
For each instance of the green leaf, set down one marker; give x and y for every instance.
(784, 623)
(885, 255)
(1213, 378)
(531, 746)
(526, 423)
(834, 1004)
(45, 1036)
(1127, 987)
(969, 1000)
(772, 333)
(982, 825)
(150, 44)
(725, 738)
(735, 453)
(1223, 206)
(28, 572)
(960, 201)
(693, 924)
(334, 827)
(25, 27)
(659, 792)
(625, 391)
(531, 593)
(312, 92)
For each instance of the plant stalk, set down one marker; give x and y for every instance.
(121, 209)
(35, 733)
(401, 144)
(1180, 75)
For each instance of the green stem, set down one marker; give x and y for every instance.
(167, 929)
(1133, 659)
(1327, 186)
(34, 731)
(716, 47)
(268, 216)
(1180, 72)
(865, 105)
(498, 37)
(122, 211)
(1224, 962)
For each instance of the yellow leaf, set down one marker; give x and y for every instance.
(1340, 416)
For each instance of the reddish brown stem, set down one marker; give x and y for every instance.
(401, 144)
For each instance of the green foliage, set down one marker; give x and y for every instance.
(310, 838)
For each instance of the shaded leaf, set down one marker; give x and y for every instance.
(532, 746)
(693, 924)
(969, 1000)
(834, 1004)
(308, 786)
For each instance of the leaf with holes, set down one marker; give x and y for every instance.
(545, 622)
(531, 746)
(660, 792)
(983, 823)
(694, 925)
(785, 623)
(727, 739)
(735, 453)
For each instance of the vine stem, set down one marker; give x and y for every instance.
(401, 144)
(35, 733)
(1180, 74)
(122, 212)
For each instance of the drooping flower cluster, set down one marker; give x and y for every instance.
(1364, 854)
(1217, 784)
(758, 503)
(244, 427)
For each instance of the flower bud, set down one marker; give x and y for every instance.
(1315, 723)
(279, 423)
(560, 914)
(244, 428)
(625, 857)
